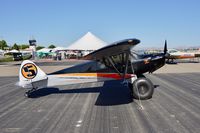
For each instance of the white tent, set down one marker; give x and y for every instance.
(14, 51)
(1, 52)
(59, 49)
(87, 42)
(45, 50)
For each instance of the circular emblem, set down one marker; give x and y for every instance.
(29, 71)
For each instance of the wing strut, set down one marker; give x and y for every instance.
(112, 63)
(126, 67)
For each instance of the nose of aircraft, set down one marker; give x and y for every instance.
(157, 62)
(151, 62)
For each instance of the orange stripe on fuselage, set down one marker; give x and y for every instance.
(104, 75)
(185, 57)
(112, 75)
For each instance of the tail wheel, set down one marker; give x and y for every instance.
(27, 94)
(142, 88)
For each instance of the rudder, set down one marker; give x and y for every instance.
(31, 76)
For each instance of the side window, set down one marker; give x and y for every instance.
(100, 65)
(107, 63)
(104, 66)
(119, 61)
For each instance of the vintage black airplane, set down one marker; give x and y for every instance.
(117, 61)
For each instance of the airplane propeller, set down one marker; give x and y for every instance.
(166, 54)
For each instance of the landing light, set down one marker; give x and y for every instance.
(130, 41)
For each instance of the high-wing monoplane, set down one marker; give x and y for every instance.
(117, 61)
(174, 54)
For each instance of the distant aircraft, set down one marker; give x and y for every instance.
(175, 54)
(114, 62)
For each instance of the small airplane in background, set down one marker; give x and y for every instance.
(117, 61)
(175, 54)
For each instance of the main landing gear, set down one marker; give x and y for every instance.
(28, 93)
(142, 88)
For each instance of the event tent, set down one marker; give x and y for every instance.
(87, 42)
(13, 51)
(44, 50)
(1, 52)
(59, 49)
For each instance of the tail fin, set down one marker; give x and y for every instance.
(31, 76)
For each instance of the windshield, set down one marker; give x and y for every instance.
(137, 54)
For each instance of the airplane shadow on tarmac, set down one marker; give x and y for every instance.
(111, 93)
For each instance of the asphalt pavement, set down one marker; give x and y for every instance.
(102, 107)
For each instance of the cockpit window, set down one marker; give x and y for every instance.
(116, 62)
(119, 61)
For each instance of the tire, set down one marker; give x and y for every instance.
(27, 94)
(145, 88)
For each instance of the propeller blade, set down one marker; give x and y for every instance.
(166, 54)
(165, 47)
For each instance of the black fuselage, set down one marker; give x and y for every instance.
(147, 63)
(117, 64)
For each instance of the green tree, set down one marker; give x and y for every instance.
(52, 46)
(39, 47)
(3, 44)
(15, 46)
(23, 46)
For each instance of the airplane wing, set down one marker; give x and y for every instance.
(113, 49)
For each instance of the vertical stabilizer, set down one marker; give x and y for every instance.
(31, 76)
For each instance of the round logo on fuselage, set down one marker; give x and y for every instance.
(29, 71)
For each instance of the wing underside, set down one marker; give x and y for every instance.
(113, 49)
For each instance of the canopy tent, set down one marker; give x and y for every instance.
(13, 51)
(59, 49)
(1, 51)
(44, 50)
(87, 42)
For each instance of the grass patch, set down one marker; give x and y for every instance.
(27, 57)
(10, 58)
(6, 59)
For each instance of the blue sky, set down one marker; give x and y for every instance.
(62, 22)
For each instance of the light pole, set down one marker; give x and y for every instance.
(32, 46)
